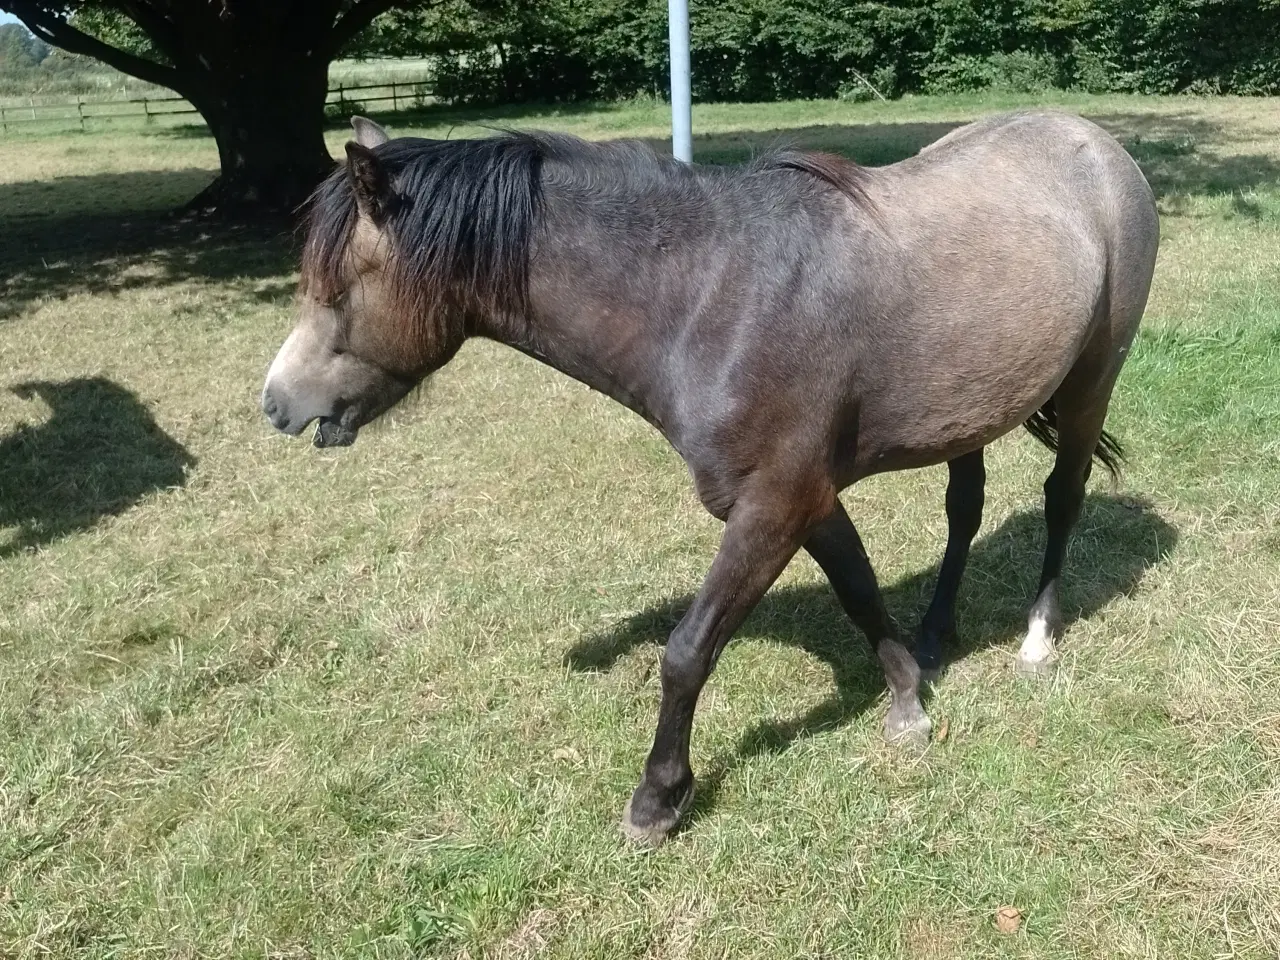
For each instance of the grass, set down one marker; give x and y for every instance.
(98, 82)
(380, 71)
(114, 100)
(259, 700)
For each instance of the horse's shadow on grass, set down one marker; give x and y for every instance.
(1117, 540)
(97, 455)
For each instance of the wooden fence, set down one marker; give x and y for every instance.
(398, 94)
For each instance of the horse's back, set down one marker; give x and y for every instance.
(1016, 244)
(1072, 166)
(1079, 169)
(1059, 157)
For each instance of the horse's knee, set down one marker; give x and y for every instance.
(684, 666)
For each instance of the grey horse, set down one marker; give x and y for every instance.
(790, 327)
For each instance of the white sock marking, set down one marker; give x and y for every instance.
(1037, 646)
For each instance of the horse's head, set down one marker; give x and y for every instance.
(366, 334)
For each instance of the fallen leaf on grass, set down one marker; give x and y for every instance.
(1008, 919)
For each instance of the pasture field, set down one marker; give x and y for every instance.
(258, 700)
(105, 84)
(380, 71)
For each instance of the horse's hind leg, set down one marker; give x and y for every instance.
(836, 546)
(965, 493)
(1079, 430)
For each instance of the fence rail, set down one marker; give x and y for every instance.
(398, 93)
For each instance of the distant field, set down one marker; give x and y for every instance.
(103, 83)
(258, 700)
(380, 71)
(117, 101)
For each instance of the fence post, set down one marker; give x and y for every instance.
(342, 101)
(3, 126)
(395, 104)
(146, 109)
(80, 111)
(32, 102)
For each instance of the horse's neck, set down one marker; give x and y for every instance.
(630, 388)
(610, 352)
(606, 311)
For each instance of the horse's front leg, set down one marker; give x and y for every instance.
(760, 538)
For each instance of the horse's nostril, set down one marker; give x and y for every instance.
(275, 412)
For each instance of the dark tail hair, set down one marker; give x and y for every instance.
(1043, 425)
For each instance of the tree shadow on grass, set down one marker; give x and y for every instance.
(99, 453)
(1118, 539)
(427, 115)
(1177, 150)
(1178, 153)
(112, 232)
(109, 233)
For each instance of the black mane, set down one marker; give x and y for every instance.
(464, 212)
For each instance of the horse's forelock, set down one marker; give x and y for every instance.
(460, 226)
(328, 225)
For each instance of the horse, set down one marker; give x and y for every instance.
(790, 326)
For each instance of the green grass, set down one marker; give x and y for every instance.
(98, 82)
(380, 71)
(260, 700)
(113, 101)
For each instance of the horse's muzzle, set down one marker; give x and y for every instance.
(279, 414)
(334, 433)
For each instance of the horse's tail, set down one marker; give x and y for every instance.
(1043, 425)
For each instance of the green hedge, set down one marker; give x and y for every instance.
(560, 50)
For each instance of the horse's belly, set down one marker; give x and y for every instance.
(971, 382)
(928, 435)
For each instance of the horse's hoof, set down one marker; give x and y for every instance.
(653, 830)
(1035, 669)
(910, 729)
(1037, 657)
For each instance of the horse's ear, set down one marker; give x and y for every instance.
(368, 133)
(369, 180)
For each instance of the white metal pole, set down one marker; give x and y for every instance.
(681, 95)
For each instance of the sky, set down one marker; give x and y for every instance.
(8, 18)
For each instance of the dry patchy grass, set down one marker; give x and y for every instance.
(259, 700)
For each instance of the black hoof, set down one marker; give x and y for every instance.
(650, 823)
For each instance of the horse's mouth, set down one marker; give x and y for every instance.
(332, 432)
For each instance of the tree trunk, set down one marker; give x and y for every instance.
(267, 116)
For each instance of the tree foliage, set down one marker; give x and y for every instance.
(766, 49)
(256, 70)
(29, 65)
(112, 27)
(19, 49)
